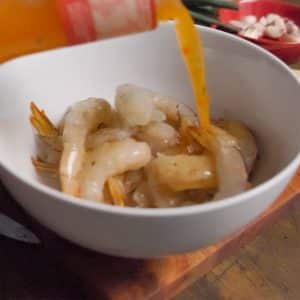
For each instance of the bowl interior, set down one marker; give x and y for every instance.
(245, 83)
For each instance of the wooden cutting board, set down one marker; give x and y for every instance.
(109, 278)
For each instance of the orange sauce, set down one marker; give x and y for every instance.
(29, 26)
(192, 51)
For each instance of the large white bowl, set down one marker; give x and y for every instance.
(245, 83)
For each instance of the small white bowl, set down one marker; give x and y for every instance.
(245, 83)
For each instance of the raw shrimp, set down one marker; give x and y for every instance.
(111, 159)
(140, 106)
(230, 166)
(245, 140)
(45, 152)
(148, 152)
(185, 172)
(249, 20)
(271, 26)
(134, 104)
(161, 195)
(254, 31)
(48, 138)
(158, 135)
(107, 135)
(82, 118)
(176, 112)
(293, 32)
(275, 26)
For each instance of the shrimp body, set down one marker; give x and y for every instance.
(139, 106)
(159, 136)
(231, 170)
(230, 167)
(109, 160)
(150, 151)
(161, 196)
(245, 140)
(47, 152)
(107, 135)
(81, 119)
(134, 104)
(175, 112)
(185, 172)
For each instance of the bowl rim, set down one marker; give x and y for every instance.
(164, 212)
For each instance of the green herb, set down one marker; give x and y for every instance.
(206, 12)
(214, 3)
(208, 21)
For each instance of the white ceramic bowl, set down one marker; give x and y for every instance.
(245, 83)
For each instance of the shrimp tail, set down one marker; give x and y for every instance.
(41, 122)
(43, 166)
(117, 190)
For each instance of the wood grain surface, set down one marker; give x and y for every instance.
(268, 268)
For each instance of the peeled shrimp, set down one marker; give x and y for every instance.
(108, 160)
(134, 104)
(139, 106)
(82, 118)
(249, 20)
(107, 135)
(45, 152)
(176, 112)
(158, 135)
(185, 172)
(230, 166)
(149, 152)
(160, 194)
(245, 140)
(275, 27)
(254, 31)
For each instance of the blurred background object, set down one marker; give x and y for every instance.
(36, 25)
(28, 26)
(288, 51)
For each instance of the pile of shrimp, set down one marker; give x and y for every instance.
(148, 151)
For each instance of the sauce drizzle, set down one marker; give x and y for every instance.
(192, 51)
